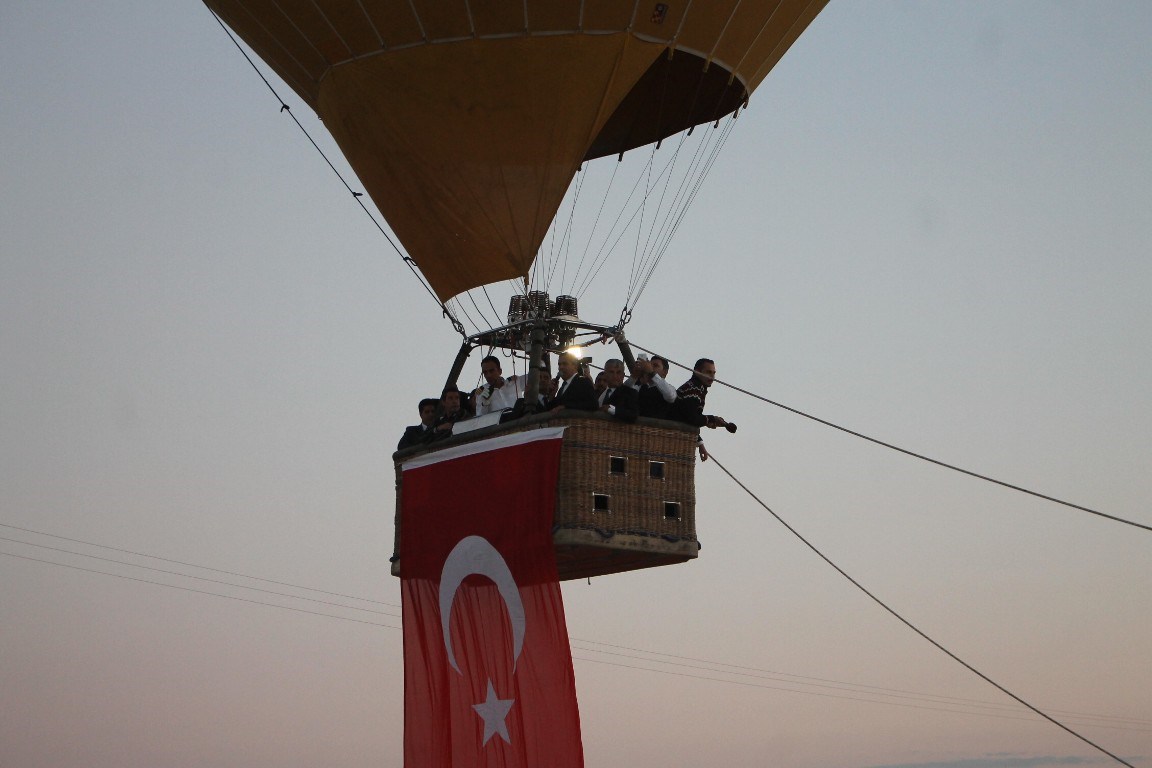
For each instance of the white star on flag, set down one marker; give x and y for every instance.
(492, 712)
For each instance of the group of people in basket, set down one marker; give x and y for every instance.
(646, 392)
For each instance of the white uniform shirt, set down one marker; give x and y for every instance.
(490, 400)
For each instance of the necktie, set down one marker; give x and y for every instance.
(560, 393)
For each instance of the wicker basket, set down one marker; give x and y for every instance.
(626, 494)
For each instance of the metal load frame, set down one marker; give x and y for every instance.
(537, 327)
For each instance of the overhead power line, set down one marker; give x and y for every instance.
(951, 709)
(840, 685)
(197, 578)
(658, 662)
(197, 591)
(190, 565)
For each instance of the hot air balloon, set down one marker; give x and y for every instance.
(467, 122)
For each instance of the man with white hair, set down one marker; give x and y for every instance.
(617, 400)
(572, 390)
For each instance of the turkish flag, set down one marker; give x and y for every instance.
(487, 668)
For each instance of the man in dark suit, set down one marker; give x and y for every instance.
(452, 409)
(654, 393)
(422, 432)
(572, 390)
(619, 401)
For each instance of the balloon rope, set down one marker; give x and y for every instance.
(909, 624)
(705, 157)
(284, 107)
(913, 454)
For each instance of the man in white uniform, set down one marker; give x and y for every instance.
(497, 393)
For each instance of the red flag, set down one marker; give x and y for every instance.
(487, 667)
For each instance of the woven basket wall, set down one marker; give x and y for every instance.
(636, 500)
(642, 518)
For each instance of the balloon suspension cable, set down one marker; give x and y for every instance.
(913, 454)
(910, 625)
(703, 160)
(625, 317)
(285, 107)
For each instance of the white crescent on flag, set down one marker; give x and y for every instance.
(475, 555)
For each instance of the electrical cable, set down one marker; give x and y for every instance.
(198, 591)
(754, 673)
(840, 685)
(198, 578)
(194, 565)
(999, 716)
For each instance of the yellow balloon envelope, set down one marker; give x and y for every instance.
(466, 121)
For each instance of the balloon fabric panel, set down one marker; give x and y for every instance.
(468, 149)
